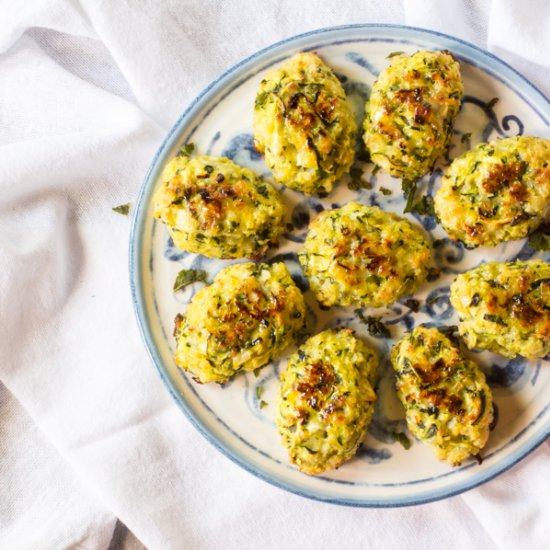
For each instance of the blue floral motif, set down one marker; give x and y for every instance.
(384, 429)
(354, 88)
(447, 254)
(438, 305)
(172, 253)
(302, 214)
(358, 59)
(505, 376)
(213, 141)
(526, 253)
(372, 455)
(502, 129)
(241, 149)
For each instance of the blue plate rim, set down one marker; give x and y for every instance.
(136, 280)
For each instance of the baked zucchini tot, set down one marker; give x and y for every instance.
(245, 318)
(214, 207)
(361, 255)
(496, 192)
(505, 307)
(447, 401)
(410, 113)
(326, 400)
(303, 125)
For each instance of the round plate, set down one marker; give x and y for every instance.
(236, 418)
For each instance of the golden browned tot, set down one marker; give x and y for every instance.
(448, 404)
(304, 126)
(245, 318)
(411, 111)
(214, 207)
(326, 400)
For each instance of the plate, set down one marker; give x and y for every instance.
(219, 122)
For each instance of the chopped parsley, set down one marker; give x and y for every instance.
(263, 404)
(401, 438)
(394, 54)
(259, 391)
(122, 209)
(375, 327)
(495, 319)
(186, 150)
(465, 137)
(409, 189)
(425, 206)
(261, 99)
(188, 276)
(357, 182)
(385, 191)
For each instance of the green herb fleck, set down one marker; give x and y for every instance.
(186, 150)
(263, 404)
(385, 191)
(357, 182)
(495, 319)
(394, 54)
(540, 239)
(375, 327)
(257, 372)
(409, 189)
(259, 391)
(188, 276)
(261, 99)
(465, 137)
(400, 437)
(425, 206)
(122, 209)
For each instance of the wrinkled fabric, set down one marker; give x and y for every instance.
(88, 433)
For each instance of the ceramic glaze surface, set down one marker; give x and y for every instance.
(219, 122)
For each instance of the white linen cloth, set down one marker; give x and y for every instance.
(87, 431)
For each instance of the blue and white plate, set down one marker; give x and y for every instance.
(219, 122)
